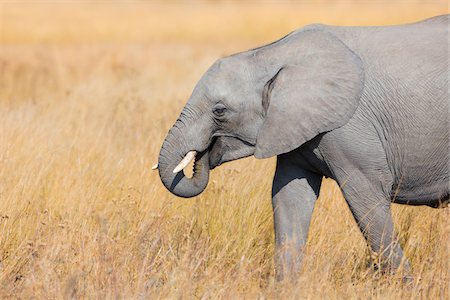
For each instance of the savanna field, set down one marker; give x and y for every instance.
(88, 91)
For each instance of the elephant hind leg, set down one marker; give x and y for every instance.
(371, 209)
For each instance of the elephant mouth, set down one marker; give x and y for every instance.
(221, 149)
(225, 148)
(215, 157)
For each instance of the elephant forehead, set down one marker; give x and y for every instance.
(230, 69)
(224, 88)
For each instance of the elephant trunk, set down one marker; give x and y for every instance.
(172, 153)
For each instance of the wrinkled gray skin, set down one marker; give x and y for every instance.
(366, 106)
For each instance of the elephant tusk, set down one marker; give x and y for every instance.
(155, 166)
(185, 161)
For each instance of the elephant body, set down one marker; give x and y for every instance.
(411, 125)
(413, 80)
(366, 106)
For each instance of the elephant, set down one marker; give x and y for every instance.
(365, 106)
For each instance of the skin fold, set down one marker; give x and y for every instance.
(366, 106)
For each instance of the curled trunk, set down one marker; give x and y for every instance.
(177, 183)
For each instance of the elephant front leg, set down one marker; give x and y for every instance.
(294, 193)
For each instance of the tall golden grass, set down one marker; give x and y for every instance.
(87, 93)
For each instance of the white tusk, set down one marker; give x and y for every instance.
(185, 161)
(155, 166)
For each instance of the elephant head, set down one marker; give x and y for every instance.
(263, 102)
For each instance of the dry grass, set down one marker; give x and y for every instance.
(87, 93)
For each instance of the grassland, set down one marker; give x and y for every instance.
(87, 93)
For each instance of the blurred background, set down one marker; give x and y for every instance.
(88, 90)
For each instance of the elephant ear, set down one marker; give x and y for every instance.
(317, 91)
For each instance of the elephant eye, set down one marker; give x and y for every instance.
(219, 110)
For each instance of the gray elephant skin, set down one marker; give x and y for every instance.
(365, 106)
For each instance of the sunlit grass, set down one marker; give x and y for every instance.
(88, 92)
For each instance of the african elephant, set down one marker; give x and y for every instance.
(365, 106)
